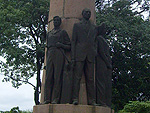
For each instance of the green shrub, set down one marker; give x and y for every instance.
(136, 107)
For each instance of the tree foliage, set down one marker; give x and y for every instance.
(129, 38)
(138, 6)
(15, 110)
(136, 107)
(23, 33)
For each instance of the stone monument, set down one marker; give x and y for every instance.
(70, 13)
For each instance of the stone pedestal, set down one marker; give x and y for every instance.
(69, 108)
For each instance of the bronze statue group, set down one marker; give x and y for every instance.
(89, 55)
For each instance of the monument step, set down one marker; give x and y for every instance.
(69, 108)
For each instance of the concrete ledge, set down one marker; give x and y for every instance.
(69, 108)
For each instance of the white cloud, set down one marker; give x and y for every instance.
(11, 97)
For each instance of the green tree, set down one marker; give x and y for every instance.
(136, 107)
(23, 25)
(129, 38)
(16, 110)
(143, 5)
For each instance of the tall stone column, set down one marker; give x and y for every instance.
(70, 12)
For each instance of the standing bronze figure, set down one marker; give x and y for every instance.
(83, 55)
(57, 42)
(103, 69)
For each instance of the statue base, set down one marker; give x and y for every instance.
(69, 108)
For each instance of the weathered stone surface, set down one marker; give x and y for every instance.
(69, 108)
(41, 109)
(56, 8)
(67, 24)
(73, 8)
(103, 110)
(70, 9)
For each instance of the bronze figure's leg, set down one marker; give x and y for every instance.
(100, 81)
(89, 77)
(76, 81)
(108, 91)
(48, 80)
(58, 69)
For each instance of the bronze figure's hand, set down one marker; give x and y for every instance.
(59, 45)
(73, 63)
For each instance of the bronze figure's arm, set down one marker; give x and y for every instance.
(73, 42)
(66, 42)
(102, 54)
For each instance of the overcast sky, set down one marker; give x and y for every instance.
(11, 97)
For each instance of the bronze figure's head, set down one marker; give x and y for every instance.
(56, 21)
(86, 13)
